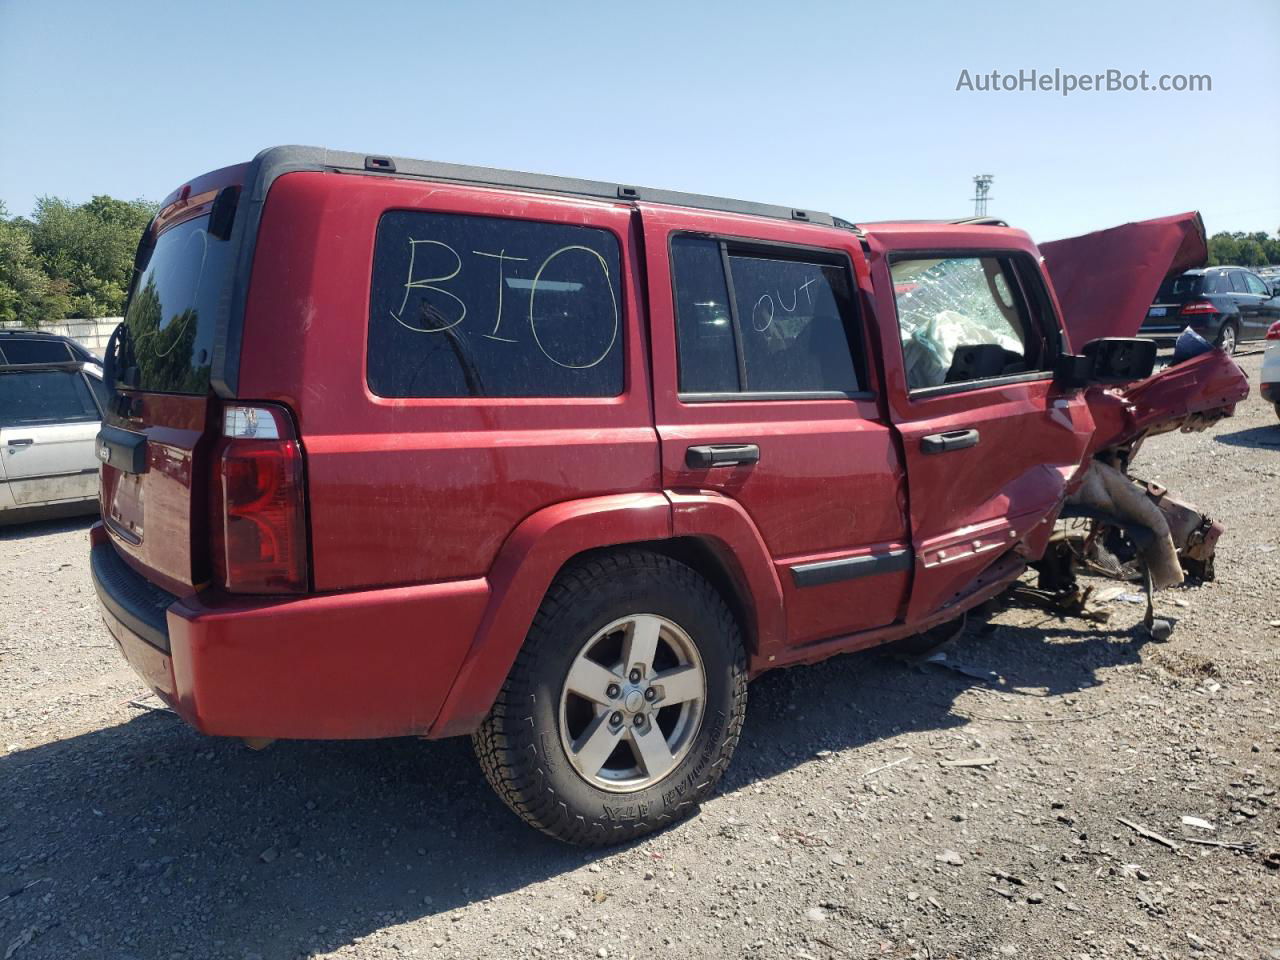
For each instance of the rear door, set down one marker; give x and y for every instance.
(1247, 304)
(48, 419)
(762, 395)
(154, 505)
(1262, 311)
(990, 443)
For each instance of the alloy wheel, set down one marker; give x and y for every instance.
(632, 703)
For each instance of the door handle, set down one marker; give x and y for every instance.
(722, 455)
(951, 440)
(23, 442)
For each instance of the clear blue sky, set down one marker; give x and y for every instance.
(845, 107)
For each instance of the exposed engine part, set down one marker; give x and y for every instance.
(1129, 530)
(1107, 494)
(1194, 533)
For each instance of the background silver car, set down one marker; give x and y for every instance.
(49, 416)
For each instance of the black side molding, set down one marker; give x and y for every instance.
(125, 451)
(136, 602)
(850, 568)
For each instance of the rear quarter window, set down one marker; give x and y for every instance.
(470, 306)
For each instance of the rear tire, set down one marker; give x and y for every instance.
(1228, 338)
(600, 766)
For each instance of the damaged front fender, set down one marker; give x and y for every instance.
(1189, 396)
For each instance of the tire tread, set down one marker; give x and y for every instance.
(509, 757)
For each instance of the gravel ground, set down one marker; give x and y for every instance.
(842, 829)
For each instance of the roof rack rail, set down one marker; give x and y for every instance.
(277, 160)
(980, 222)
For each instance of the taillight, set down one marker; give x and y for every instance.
(259, 525)
(1198, 306)
(1273, 331)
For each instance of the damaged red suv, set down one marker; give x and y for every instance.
(399, 448)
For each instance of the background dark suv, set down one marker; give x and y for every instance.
(1223, 304)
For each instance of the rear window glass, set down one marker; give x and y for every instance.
(465, 306)
(45, 396)
(1180, 286)
(171, 313)
(22, 350)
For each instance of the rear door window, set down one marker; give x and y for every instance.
(759, 319)
(44, 397)
(1237, 282)
(470, 306)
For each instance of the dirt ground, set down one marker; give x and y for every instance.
(843, 829)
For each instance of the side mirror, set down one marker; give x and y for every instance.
(1121, 359)
(1107, 360)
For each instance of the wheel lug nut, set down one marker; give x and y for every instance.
(616, 718)
(638, 720)
(635, 675)
(612, 691)
(650, 694)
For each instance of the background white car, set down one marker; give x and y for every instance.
(49, 418)
(1270, 388)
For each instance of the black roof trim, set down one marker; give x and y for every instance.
(401, 168)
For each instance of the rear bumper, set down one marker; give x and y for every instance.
(373, 663)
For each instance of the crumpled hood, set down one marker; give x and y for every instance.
(1106, 280)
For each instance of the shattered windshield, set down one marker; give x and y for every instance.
(959, 320)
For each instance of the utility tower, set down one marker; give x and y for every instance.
(981, 191)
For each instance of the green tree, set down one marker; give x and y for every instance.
(89, 248)
(1223, 248)
(26, 293)
(1252, 253)
(1245, 249)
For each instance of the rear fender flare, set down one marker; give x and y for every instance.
(725, 526)
(526, 564)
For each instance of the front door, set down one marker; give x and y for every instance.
(990, 442)
(762, 395)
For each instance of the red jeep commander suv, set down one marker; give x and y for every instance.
(403, 448)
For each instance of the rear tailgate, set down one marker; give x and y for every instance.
(156, 437)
